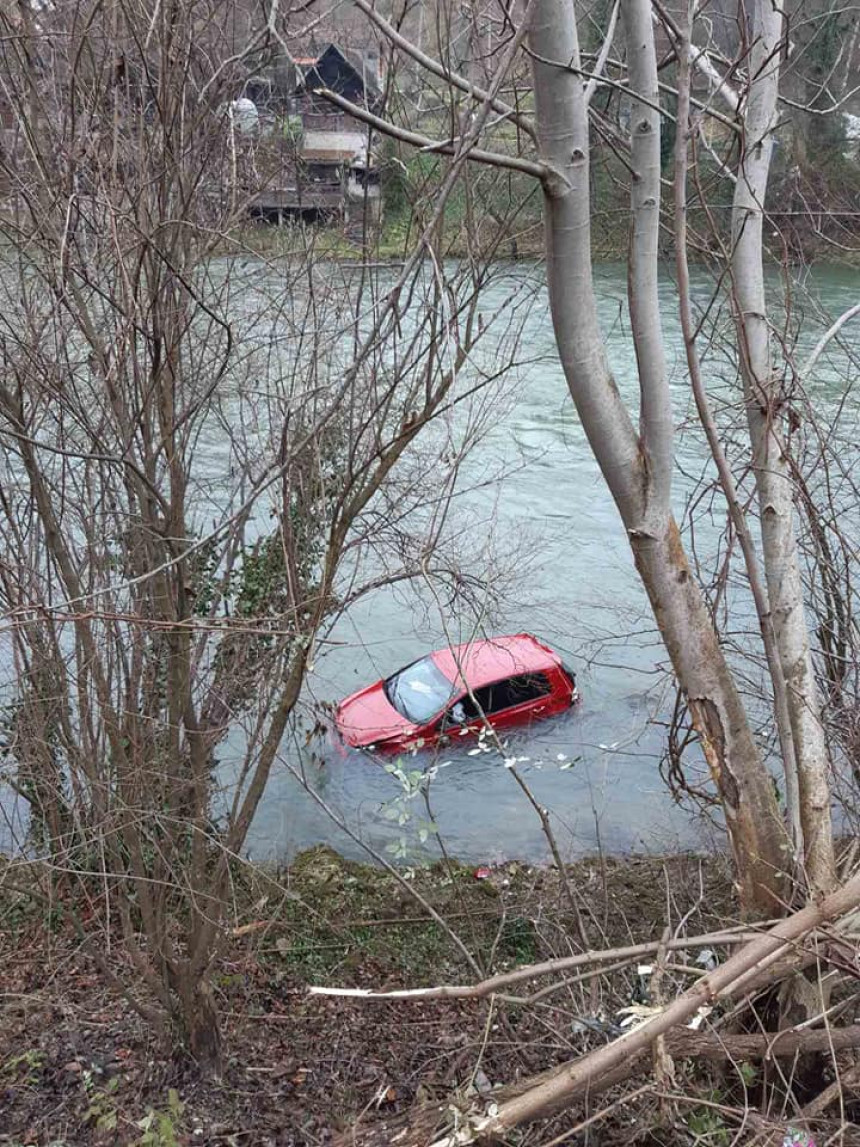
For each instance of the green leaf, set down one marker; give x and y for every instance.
(748, 1073)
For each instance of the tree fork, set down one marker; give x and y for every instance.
(633, 464)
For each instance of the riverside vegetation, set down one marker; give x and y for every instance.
(79, 1067)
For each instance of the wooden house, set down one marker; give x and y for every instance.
(329, 169)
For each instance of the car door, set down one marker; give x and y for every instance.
(511, 701)
(519, 699)
(464, 717)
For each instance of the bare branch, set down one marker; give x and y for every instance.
(439, 69)
(828, 336)
(700, 59)
(440, 147)
(603, 55)
(504, 980)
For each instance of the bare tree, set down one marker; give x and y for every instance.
(204, 460)
(637, 465)
(737, 62)
(771, 464)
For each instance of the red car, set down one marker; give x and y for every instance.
(504, 681)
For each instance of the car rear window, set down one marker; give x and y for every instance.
(419, 691)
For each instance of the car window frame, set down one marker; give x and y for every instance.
(443, 724)
(529, 700)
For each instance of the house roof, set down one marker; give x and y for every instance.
(364, 62)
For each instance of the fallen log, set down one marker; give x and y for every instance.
(761, 1045)
(579, 1076)
(686, 1044)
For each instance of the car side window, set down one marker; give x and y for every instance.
(499, 696)
(518, 690)
(466, 709)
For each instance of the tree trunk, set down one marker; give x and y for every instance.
(756, 832)
(770, 465)
(636, 466)
(199, 1018)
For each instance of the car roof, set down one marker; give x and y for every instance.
(484, 661)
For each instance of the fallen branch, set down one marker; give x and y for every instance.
(504, 980)
(580, 1075)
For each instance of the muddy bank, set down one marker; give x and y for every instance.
(78, 1066)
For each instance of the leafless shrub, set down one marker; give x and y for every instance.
(204, 459)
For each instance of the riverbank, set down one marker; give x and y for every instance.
(506, 221)
(397, 241)
(79, 1067)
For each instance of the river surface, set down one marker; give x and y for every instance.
(596, 768)
(533, 487)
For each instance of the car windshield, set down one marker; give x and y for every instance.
(419, 691)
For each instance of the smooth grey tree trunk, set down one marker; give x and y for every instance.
(637, 466)
(770, 465)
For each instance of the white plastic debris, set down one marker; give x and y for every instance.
(700, 1017)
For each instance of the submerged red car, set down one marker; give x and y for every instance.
(503, 681)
